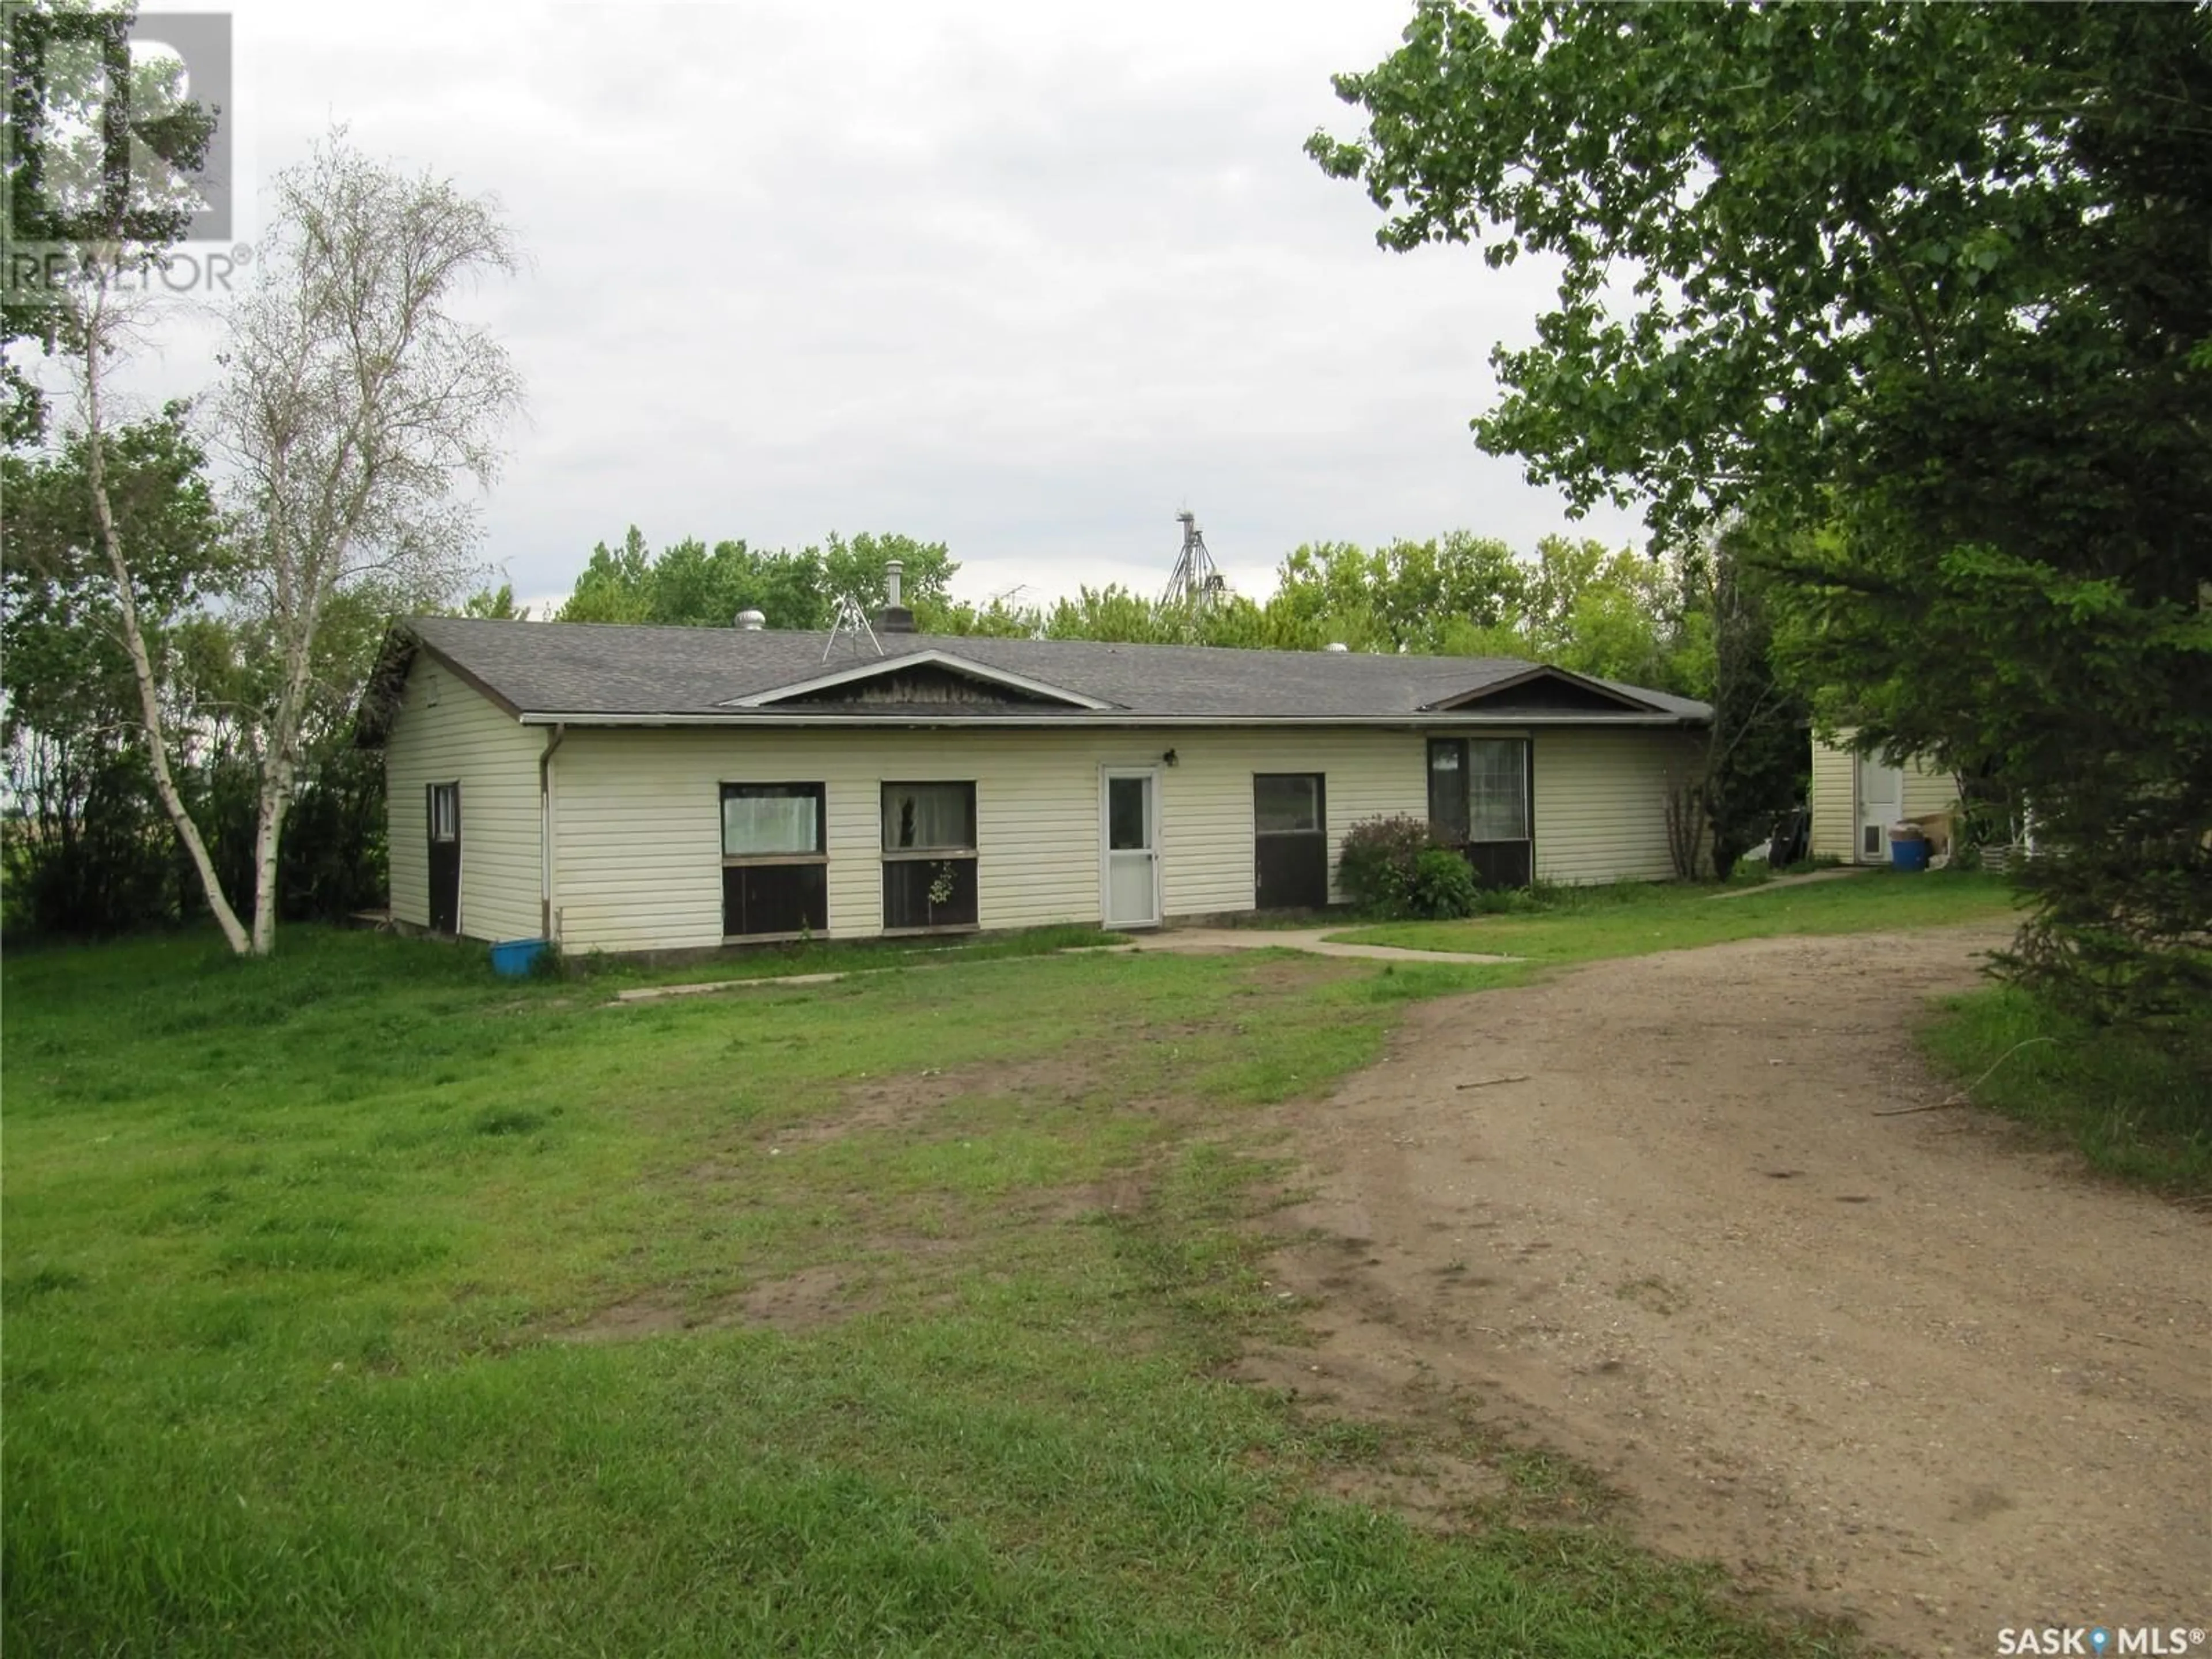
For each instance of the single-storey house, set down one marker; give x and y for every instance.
(643, 789)
(1856, 798)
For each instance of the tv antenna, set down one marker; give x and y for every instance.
(849, 617)
(1196, 582)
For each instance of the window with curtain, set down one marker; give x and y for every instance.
(1479, 788)
(776, 877)
(1498, 789)
(921, 818)
(761, 820)
(929, 856)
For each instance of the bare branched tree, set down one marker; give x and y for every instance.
(355, 400)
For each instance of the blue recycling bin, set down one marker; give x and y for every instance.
(1908, 852)
(515, 958)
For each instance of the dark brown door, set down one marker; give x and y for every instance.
(1290, 841)
(445, 813)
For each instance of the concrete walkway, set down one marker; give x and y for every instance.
(1836, 874)
(703, 988)
(1313, 941)
(1197, 941)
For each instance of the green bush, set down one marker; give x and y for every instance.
(1395, 867)
(1442, 887)
(1377, 865)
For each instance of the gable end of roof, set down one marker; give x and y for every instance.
(386, 684)
(923, 677)
(1544, 689)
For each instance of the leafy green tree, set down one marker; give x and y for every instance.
(88, 854)
(1401, 596)
(1928, 291)
(1114, 613)
(690, 585)
(857, 567)
(1604, 612)
(495, 604)
(616, 586)
(997, 619)
(58, 193)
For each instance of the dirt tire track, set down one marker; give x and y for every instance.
(1905, 1368)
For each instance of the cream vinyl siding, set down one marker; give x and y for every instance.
(1835, 803)
(464, 738)
(638, 839)
(1927, 789)
(1602, 802)
(638, 847)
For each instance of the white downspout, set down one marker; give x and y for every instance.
(545, 883)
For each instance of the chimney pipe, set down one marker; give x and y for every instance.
(894, 617)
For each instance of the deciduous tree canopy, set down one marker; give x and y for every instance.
(692, 585)
(1926, 293)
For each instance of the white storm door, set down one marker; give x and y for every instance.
(1882, 802)
(1129, 842)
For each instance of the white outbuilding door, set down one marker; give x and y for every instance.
(1882, 802)
(1129, 848)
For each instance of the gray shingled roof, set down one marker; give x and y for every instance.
(584, 670)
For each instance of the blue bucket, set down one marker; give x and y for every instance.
(516, 958)
(1911, 854)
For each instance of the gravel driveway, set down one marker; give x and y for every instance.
(1906, 1367)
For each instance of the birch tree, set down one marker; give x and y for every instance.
(358, 400)
(98, 320)
(103, 223)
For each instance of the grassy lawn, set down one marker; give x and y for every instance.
(1633, 919)
(2136, 1109)
(356, 1302)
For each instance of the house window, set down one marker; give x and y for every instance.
(929, 855)
(444, 812)
(775, 869)
(1290, 843)
(1498, 789)
(1448, 789)
(1286, 804)
(1479, 801)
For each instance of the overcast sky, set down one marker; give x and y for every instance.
(1028, 279)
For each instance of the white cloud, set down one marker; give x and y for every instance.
(1028, 279)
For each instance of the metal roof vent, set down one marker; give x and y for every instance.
(894, 617)
(752, 622)
(1336, 644)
